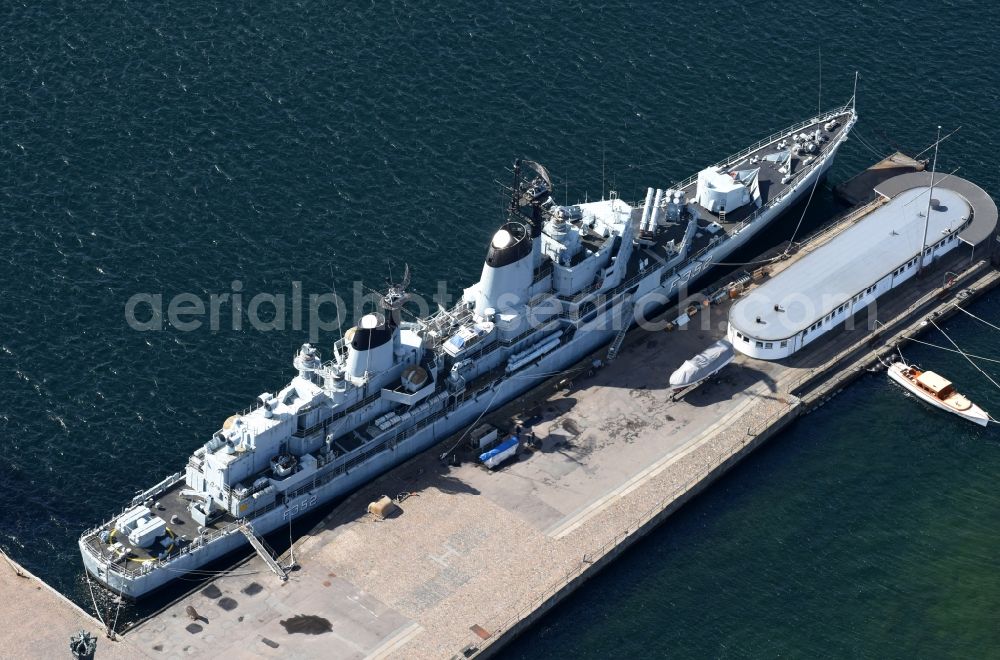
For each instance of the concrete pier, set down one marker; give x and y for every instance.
(474, 556)
(860, 189)
(38, 621)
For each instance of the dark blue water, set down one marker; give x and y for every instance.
(179, 148)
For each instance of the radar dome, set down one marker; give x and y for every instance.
(502, 239)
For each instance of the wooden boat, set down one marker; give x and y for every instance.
(937, 391)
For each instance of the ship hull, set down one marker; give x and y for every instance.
(653, 293)
(975, 414)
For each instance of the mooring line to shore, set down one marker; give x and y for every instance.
(971, 361)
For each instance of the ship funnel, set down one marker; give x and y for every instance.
(370, 350)
(508, 270)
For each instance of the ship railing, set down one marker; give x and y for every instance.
(594, 288)
(774, 137)
(304, 433)
(157, 489)
(542, 272)
(819, 162)
(323, 477)
(196, 544)
(94, 531)
(320, 479)
(443, 319)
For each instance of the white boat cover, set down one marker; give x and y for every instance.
(703, 365)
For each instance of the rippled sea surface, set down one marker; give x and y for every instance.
(177, 148)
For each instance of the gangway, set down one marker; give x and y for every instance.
(628, 304)
(258, 544)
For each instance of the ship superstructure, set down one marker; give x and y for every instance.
(558, 283)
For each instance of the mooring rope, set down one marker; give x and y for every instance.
(965, 311)
(988, 377)
(93, 599)
(952, 350)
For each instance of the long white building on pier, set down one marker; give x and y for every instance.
(825, 288)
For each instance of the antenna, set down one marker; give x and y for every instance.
(395, 297)
(340, 321)
(930, 202)
(819, 105)
(602, 169)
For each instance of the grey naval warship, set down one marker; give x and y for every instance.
(559, 282)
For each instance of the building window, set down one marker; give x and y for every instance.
(784, 344)
(769, 345)
(759, 344)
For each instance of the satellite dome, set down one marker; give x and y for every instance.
(370, 321)
(502, 239)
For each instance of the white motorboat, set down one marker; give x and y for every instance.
(701, 367)
(937, 391)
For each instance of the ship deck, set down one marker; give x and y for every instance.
(769, 182)
(172, 508)
(169, 506)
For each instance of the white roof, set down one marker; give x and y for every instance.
(718, 180)
(610, 212)
(821, 281)
(934, 382)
